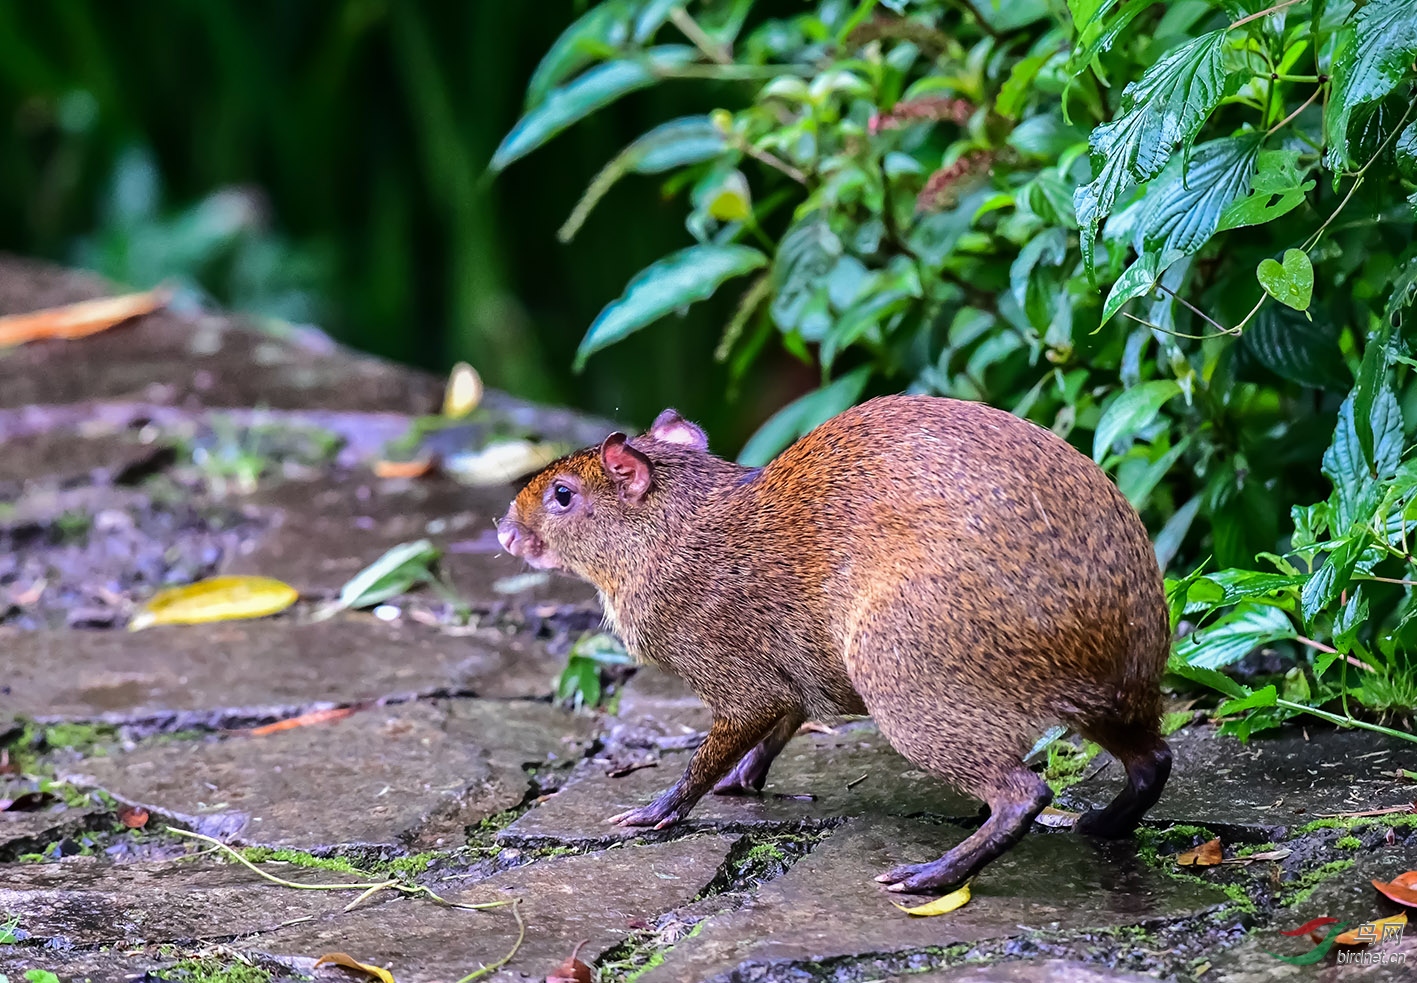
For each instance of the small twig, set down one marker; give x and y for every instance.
(1290, 118)
(1156, 327)
(1386, 580)
(773, 161)
(521, 935)
(1262, 13)
(1390, 811)
(857, 781)
(1197, 311)
(691, 30)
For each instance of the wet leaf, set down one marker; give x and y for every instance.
(1402, 888)
(678, 280)
(464, 391)
(1291, 282)
(1257, 857)
(802, 415)
(502, 462)
(1130, 412)
(1370, 932)
(133, 817)
(1208, 854)
(215, 599)
(1373, 57)
(77, 320)
(349, 962)
(1057, 818)
(396, 572)
(940, 906)
(572, 970)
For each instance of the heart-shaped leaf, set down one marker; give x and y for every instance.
(1291, 282)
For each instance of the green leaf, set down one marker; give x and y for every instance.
(873, 309)
(1266, 697)
(1331, 579)
(1139, 483)
(1163, 108)
(1244, 585)
(1295, 348)
(678, 280)
(396, 572)
(1291, 282)
(1019, 85)
(677, 143)
(1278, 187)
(1374, 55)
(600, 29)
(1217, 681)
(808, 253)
(1183, 206)
(801, 416)
(1355, 474)
(1131, 411)
(595, 89)
(1235, 636)
(1095, 37)
(1404, 151)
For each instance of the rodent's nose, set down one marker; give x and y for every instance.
(510, 536)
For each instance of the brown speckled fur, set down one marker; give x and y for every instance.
(966, 577)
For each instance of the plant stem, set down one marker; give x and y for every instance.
(691, 30)
(521, 936)
(1344, 721)
(1290, 118)
(1359, 663)
(1262, 13)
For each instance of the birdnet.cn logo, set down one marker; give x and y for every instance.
(1370, 944)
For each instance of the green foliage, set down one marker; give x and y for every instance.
(579, 683)
(1175, 234)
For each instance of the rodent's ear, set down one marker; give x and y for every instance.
(631, 471)
(671, 428)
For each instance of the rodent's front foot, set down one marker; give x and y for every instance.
(923, 878)
(653, 814)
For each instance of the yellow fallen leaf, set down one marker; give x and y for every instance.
(940, 906)
(464, 391)
(502, 462)
(349, 962)
(215, 599)
(1373, 931)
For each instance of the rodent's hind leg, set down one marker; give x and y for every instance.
(727, 741)
(751, 772)
(1147, 760)
(1014, 799)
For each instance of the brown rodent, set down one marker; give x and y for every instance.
(964, 576)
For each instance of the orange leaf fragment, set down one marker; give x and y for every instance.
(572, 970)
(134, 817)
(304, 720)
(349, 962)
(1208, 854)
(77, 320)
(403, 469)
(1402, 888)
(215, 599)
(1373, 931)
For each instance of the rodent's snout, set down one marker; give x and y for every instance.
(511, 536)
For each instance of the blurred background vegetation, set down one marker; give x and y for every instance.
(326, 162)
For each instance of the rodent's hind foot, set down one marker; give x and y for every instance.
(651, 815)
(936, 875)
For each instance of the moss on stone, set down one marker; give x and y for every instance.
(1349, 843)
(1299, 889)
(214, 971)
(1066, 763)
(1397, 820)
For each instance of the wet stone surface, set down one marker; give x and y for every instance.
(454, 761)
(382, 776)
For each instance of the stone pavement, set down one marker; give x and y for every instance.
(457, 772)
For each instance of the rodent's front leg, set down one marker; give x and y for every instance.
(727, 741)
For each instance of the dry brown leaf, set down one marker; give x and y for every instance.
(1256, 857)
(1056, 818)
(940, 906)
(77, 320)
(572, 970)
(349, 962)
(1402, 888)
(304, 720)
(215, 599)
(1208, 854)
(1370, 932)
(134, 817)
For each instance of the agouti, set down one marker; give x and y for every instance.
(964, 576)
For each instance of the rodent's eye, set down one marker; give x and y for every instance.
(562, 495)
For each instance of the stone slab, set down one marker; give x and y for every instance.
(828, 906)
(320, 533)
(597, 897)
(30, 832)
(382, 776)
(658, 709)
(1269, 784)
(820, 765)
(225, 673)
